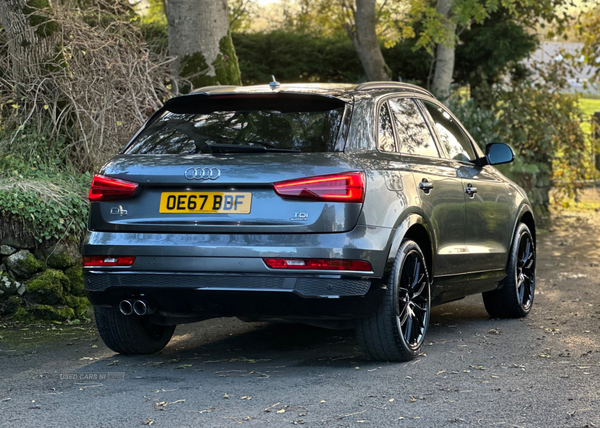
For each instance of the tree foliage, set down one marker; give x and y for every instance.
(465, 13)
(305, 57)
(588, 30)
(542, 123)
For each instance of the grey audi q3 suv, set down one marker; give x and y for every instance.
(331, 204)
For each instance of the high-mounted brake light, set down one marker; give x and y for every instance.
(347, 187)
(319, 264)
(108, 260)
(108, 189)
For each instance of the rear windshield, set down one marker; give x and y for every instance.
(298, 130)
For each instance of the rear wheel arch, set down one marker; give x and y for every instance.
(415, 228)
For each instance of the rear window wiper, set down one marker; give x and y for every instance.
(246, 148)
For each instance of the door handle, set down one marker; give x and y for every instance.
(425, 186)
(470, 190)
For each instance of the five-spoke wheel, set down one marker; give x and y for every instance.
(515, 296)
(413, 300)
(397, 331)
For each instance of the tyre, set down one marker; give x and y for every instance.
(397, 330)
(514, 298)
(131, 334)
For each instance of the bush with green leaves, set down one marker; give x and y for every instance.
(42, 197)
(542, 123)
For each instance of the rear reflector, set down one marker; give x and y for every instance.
(108, 260)
(319, 264)
(347, 187)
(108, 189)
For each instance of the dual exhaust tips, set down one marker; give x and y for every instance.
(138, 307)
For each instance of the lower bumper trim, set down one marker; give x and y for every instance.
(305, 287)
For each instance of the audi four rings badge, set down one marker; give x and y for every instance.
(202, 173)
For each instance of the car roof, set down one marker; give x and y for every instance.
(342, 91)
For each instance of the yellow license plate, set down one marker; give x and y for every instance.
(205, 202)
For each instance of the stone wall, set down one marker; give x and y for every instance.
(41, 283)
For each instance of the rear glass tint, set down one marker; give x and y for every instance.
(182, 133)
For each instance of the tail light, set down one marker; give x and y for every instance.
(319, 264)
(108, 189)
(347, 187)
(108, 261)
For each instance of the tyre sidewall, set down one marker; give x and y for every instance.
(512, 270)
(407, 248)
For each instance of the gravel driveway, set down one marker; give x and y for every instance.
(541, 371)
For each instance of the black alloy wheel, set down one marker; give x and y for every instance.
(413, 300)
(514, 297)
(525, 271)
(396, 332)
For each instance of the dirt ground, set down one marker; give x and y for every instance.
(542, 371)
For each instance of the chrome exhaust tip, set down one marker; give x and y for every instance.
(125, 307)
(140, 307)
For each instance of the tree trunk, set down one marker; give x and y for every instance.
(28, 32)
(199, 38)
(444, 58)
(366, 43)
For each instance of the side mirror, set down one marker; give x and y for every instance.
(497, 153)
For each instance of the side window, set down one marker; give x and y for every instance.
(455, 141)
(385, 138)
(413, 134)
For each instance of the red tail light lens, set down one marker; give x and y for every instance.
(108, 189)
(319, 264)
(108, 260)
(348, 187)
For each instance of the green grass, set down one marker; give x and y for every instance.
(588, 106)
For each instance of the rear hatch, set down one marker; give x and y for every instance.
(242, 163)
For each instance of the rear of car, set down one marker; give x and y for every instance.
(235, 204)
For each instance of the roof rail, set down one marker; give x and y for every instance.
(367, 86)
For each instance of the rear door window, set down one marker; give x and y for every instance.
(456, 142)
(412, 133)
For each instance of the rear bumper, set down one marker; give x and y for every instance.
(243, 253)
(211, 275)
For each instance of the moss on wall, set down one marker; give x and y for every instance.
(48, 288)
(76, 286)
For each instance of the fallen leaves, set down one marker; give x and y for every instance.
(161, 405)
(183, 366)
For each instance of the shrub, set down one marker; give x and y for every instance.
(98, 88)
(542, 124)
(41, 198)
